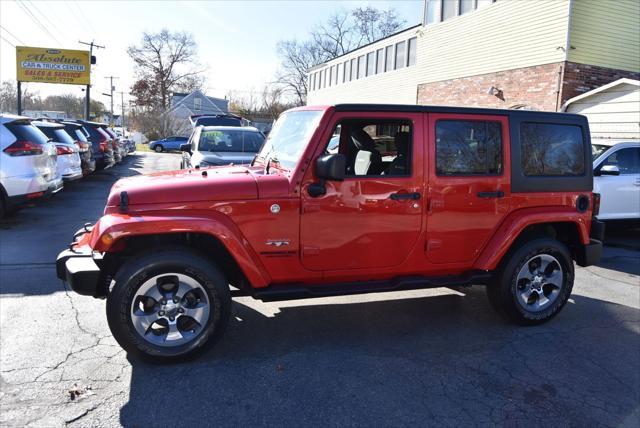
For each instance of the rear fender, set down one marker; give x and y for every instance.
(516, 222)
(121, 226)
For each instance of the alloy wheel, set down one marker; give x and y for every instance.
(170, 309)
(539, 283)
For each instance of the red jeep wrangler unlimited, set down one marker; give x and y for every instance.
(347, 199)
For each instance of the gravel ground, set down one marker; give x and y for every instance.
(431, 357)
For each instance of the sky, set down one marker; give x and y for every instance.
(236, 39)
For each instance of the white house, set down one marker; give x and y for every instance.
(613, 110)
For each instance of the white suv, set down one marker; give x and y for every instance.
(616, 176)
(27, 163)
(69, 165)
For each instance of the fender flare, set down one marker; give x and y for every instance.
(512, 226)
(215, 224)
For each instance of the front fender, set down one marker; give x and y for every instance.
(111, 229)
(517, 221)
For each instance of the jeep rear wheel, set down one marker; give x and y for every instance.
(534, 283)
(168, 305)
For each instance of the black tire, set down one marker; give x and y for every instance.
(133, 274)
(502, 291)
(158, 148)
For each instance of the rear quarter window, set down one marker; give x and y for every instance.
(27, 132)
(552, 150)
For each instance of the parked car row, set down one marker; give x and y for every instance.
(38, 156)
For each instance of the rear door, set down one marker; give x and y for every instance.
(469, 188)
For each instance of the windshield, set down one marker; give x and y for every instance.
(230, 141)
(598, 149)
(289, 136)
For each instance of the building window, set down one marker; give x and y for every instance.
(339, 73)
(466, 6)
(411, 50)
(347, 71)
(330, 76)
(400, 51)
(197, 103)
(380, 61)
(389, 58)
(312, 82)
(449, 9)
(431, 12)
(354, 69)
(371, 63)
(361, 67)
(468, 147)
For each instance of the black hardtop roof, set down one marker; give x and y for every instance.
(411, 108)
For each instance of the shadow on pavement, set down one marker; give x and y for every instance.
(445, 360)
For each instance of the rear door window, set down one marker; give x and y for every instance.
(551, 150)
(468, 147)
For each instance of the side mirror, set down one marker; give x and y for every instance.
(186, 147)
(331, 167)
(610, 170)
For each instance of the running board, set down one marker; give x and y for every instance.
(278, 292)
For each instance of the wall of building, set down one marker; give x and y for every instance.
(581, 78)
(533, 87)
(613, 113)
(509, 34)
(606, 34)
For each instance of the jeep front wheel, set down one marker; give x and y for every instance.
(534, 283)
(168, 305)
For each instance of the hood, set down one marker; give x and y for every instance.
(226, 158)
(207, 184)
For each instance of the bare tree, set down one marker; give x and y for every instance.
(343, 32)
(165, 60)
(373, 24)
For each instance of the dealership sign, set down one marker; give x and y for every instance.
(52, 65)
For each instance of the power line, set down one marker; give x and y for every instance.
(52, 25)
(36, 20)
(11, 34)
(85, 20)
(77, 17)
(2, 37)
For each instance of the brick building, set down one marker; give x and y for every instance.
(504, 53)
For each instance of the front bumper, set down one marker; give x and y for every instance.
(77, 267)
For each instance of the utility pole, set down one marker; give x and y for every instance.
(87, 101)
(111, 89)
(122, 117)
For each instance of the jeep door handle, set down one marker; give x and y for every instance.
(401, 196)
(496, 194)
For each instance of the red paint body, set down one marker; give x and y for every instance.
(352, 233)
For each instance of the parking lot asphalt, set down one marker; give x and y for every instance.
(428, 357)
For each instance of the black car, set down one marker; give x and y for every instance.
(101, 144)
(83, 142)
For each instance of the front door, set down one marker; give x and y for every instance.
(373, 218)
(469, 188)
(620, 194)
